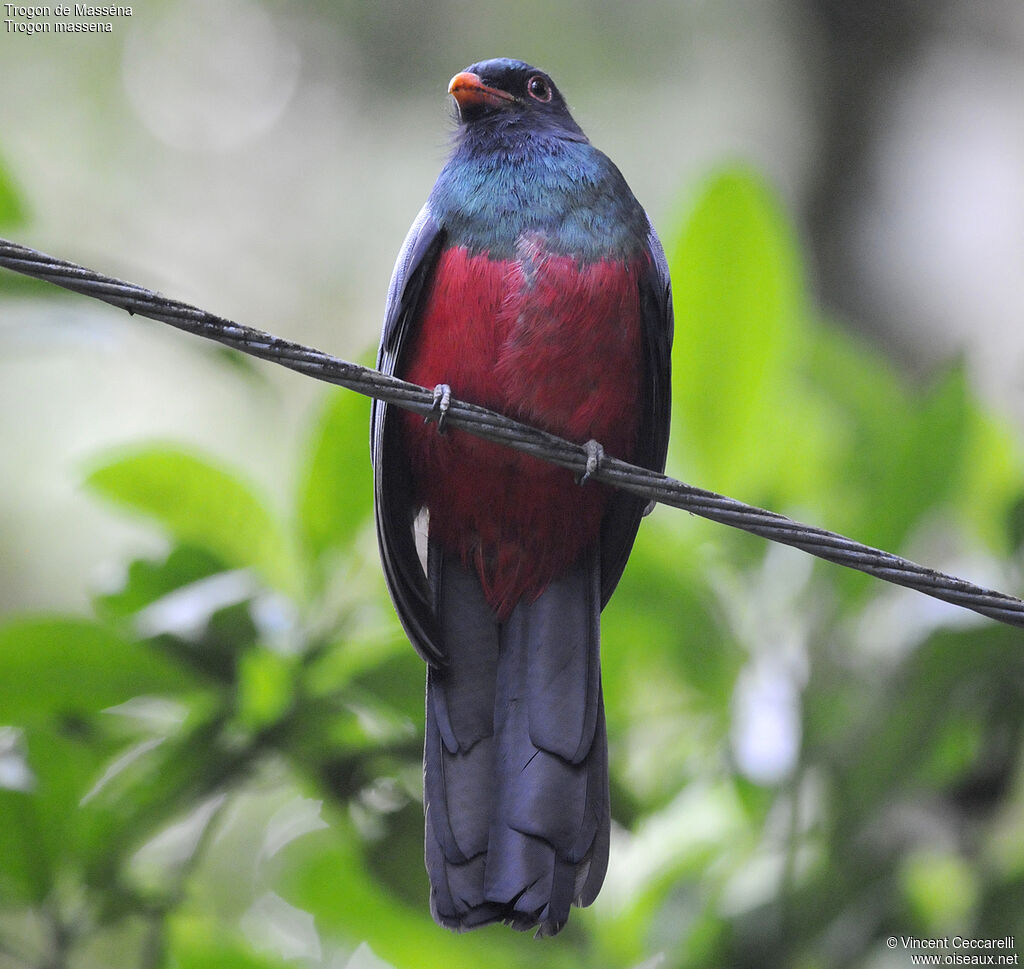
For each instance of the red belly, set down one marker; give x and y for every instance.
(547, 341)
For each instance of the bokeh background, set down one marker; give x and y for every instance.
(805, 763)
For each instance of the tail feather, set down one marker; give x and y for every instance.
(464, 701)
(594, 860)
(560, 633)
(458, 758)
(455, 899)
(515, 760)
(452, 784)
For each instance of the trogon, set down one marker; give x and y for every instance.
(532, 283)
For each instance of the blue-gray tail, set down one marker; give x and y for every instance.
(516, 760)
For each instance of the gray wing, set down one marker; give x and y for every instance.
(618, 531)
(394, 501)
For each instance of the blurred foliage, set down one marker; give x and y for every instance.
(12, 210)
(13, 215)
(221, 765)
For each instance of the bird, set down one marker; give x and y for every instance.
(532, 282)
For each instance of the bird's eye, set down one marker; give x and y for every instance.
(539, 88)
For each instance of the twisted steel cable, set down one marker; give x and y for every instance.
(495, 427)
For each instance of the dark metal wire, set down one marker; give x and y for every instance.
(495, 427)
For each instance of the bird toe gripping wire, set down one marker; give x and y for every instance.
(595, 458)
(439, 407)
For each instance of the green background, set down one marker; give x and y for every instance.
(210, 721)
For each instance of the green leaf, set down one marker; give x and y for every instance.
(664, 603)
(12, 210)
(329, 877)
(897, 738)
(861, 400)
(147, 580)
(900, 452)
(201, 504)
(905, 448)
(264, 688)
(149, 786)
(926, 470)
(738, 292)
(13, 215)
(198, 942)
(43, 831)
(991, 471)
(55, 676)
(336, 494)
(24, 868)
(63, 669)
(942, 890)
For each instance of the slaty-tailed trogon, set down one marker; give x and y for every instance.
(532, 283)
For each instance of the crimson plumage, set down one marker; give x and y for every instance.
(532, 337)
(531, 283)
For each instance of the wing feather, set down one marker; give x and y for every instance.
(394, 501)
(619, 528)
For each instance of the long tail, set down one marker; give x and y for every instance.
(516, 760)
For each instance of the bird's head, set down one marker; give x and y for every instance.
(504, 93)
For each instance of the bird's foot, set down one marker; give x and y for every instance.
(439, 408)
(595, 455)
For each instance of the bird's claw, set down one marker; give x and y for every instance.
(439, 407)
(595, 455)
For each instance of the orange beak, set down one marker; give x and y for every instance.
(470, 91)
